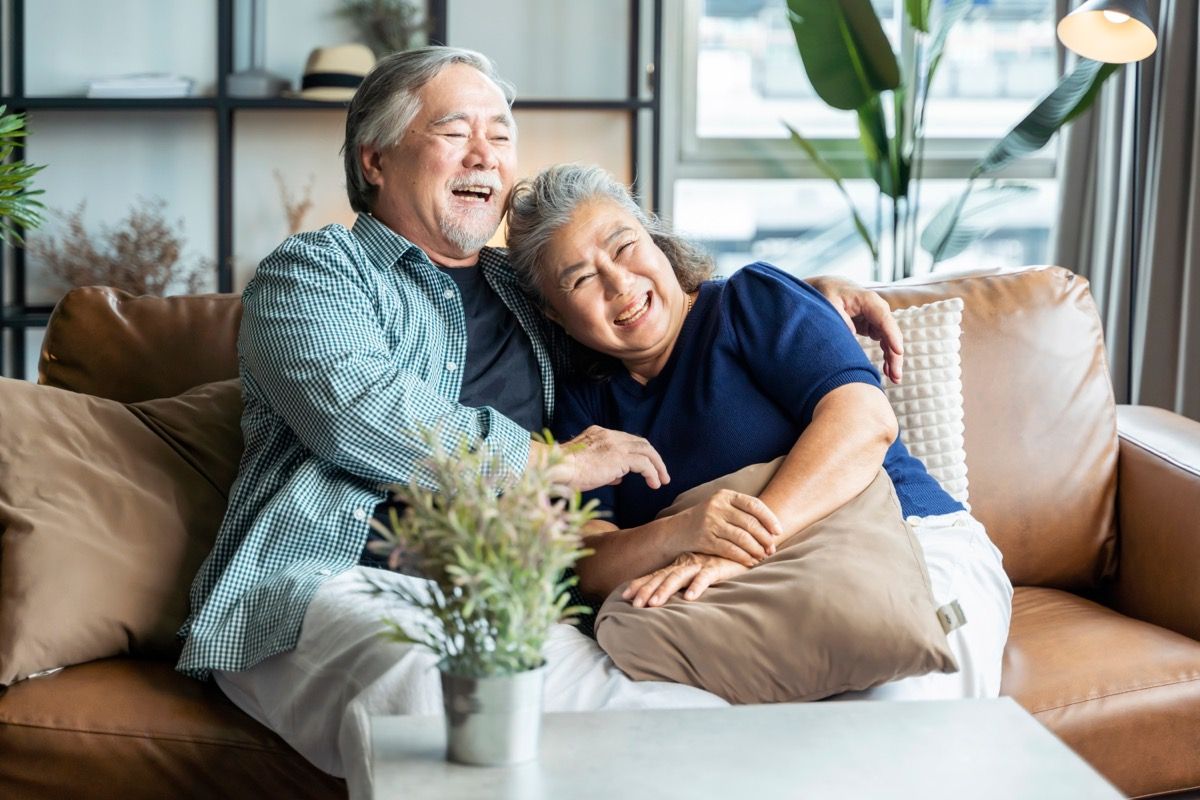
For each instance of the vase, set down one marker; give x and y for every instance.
(493, 721)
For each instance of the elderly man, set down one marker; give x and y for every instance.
(351, 342)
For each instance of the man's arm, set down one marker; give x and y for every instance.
(866, 313)
(313, 345)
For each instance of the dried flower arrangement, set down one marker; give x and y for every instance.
(140, 254)
(494, 548)
(295, 208)
(386, 25)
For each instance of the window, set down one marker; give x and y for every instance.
(741, 187)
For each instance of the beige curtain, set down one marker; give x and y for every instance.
(1094, 222)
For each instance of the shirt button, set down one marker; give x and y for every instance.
(360, 513)
(325, 572)
(451, 366)
(448, 294)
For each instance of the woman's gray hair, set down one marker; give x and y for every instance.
(538, 208)
(386, 103)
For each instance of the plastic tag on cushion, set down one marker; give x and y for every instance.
(951, 616)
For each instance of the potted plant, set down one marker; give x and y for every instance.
(495, 549)
(19, 208)
(852, 67)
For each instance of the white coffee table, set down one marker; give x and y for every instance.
(946, 749)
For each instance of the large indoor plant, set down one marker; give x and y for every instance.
(852, 67)
(495, 549)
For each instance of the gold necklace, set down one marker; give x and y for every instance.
(691, 298)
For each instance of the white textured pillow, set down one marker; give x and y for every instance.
(928, 403)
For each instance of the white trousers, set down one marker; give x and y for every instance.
(321, 696)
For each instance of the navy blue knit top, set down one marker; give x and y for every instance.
(756, 354)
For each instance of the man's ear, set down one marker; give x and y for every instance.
(370, 160)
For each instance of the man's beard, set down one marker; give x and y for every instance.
(470, 230)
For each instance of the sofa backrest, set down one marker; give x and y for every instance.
(1040, 421)
(106, 342)
(1041, 431)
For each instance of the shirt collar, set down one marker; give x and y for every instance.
(385, 247)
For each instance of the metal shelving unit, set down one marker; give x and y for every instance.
(17, 316)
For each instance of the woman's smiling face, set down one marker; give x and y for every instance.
(610, 286)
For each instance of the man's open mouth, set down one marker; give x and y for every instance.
(477, 194)
(634, 311)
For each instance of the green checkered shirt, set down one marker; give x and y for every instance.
(351, 342)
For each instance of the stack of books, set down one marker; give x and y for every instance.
(158, 84)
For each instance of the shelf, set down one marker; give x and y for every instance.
(30, 318)
(136, 103)
(66, 103)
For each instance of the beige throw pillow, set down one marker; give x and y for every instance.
(843, 605)
(929, 401)
(106, 512)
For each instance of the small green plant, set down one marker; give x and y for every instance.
(494, 548)
(19, 207)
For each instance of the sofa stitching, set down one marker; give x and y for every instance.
(149, 737)
(1121, 692)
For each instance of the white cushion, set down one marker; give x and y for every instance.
(928, 402)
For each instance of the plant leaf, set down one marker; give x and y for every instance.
(845, 52)
(918, 14)
(830, 172)
(1072, 96)
(960, 222)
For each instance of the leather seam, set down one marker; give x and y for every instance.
(1190, 469)
(148, 737)
(1193, 679)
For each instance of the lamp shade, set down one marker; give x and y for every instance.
(1114, 31)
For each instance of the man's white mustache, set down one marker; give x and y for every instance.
(484, 180)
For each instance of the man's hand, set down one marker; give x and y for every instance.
(735, 526)
(696, 571)
(602, 457)
(866, 313)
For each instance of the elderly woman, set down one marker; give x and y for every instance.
(718, 375)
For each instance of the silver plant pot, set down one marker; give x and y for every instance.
(493, 721)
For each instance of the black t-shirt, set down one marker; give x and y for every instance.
(501, 369)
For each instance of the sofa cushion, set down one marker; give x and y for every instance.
(843, 605)
(106, 512)
(928, 402)
(128, 729)
(110, 343)
(1041, 431)
(1124, 694)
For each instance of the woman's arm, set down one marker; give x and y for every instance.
(730, 524)
(836, 457)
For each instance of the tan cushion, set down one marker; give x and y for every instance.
(1124, 694)
(137, 730)
(106, 512)
(843, 605)
(1034, 372)
(109, 343)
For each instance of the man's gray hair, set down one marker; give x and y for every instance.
(386, 104)
(538, 208)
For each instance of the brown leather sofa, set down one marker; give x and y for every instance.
(1094, 507)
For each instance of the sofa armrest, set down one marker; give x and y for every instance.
(1158, 506)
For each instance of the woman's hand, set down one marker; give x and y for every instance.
(696, 571)
(735, 526)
